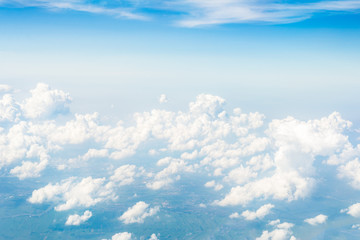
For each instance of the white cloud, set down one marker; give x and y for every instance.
(95, 153)
(71, 193)
(9, 109)
(206, 103)
(163, 98)
(44, 102)
(122, 236)
(261, 162)
(356, 226)
(260, 213)
(235, 215)
(153, 237)
(82, 128)
(241, 175)
(351, 171)
(295, 144)
(273, 164)
(282, 231)
(168, 175)
(83, 6)
(5, 88)
(138, 212)
(212, 184)
(319, 219)
(281, 186)
(76, 219)
(124, 175)
(29, 169)
(18, 143)
(353, 210)
(202, 12)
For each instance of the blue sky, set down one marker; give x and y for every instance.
(247, 106)
(262, 58)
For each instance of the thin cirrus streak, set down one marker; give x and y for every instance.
(196, 13)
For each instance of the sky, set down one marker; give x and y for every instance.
(143, 102)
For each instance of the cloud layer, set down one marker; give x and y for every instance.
(242, 158)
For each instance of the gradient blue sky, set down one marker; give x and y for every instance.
(277, 66)
(199, 164)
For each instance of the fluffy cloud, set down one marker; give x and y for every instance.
(153, 237)
(275, 163)
(351, 171)
(138, 212)
(166, 176)
(353, 210)
(29, 169)
(282, 231)
(295, 144)
(76, 219)
(72, 193)
(163, 98)
(122, 236)
(212, 184)
(260, 213)
(124, 175)
(9, 109)
(319, 219)
(5, 88)
(44, 102)
(234, 215)
(281, 186)
(241, 175)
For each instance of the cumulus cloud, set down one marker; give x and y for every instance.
(351, 171)
(234, 215)
(281, 186)
(319, 219)
(353, 210)
(230, 146)
(9, 109)
(124, 175)
(166, 176)
(73, 193)
(122, 236)
(163, 98)
(5, 88)
(260, 213)
(45, 102)
(295, 145)
(241, 175)
(29, 169)
(76, 219)
(282, 231)
(138, 212)
(212, 184)
(153, 237)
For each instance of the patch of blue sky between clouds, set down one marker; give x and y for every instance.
(202, 172)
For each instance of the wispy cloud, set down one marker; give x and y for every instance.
(80, 6)
(207, 12)
(200, 12)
